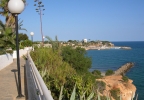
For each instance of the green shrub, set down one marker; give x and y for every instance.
(63, 67)
(125, 78)
(2, 52)
(109, 72)
(9, 51)
(26, 43)
(77, 58)
(100, 86)
(115, 93)
(97, 73)
(103, 98)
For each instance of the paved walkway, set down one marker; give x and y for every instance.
(8, 86)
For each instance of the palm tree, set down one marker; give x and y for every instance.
(7, 37)
(10, 19)
(20, 25)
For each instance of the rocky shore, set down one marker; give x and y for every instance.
(115, 81)
(123, 69)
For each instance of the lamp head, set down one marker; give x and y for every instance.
(31, 33)
(16, 6)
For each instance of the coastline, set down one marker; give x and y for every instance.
(111, 59)
(106, 47)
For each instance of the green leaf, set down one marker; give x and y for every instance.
(61, 96)
(73, 93)
(90, 96)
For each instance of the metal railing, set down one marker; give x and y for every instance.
(37, 89)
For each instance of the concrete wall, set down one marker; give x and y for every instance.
(21, 52)
(5, 60)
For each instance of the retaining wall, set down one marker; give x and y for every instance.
(21, 52)
(5, 60)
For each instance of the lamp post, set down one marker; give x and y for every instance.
(44, 38)
(40, 9)
(32, 33)
(16, 7)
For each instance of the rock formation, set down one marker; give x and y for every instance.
(127, 89)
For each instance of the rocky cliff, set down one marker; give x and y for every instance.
(127, 89)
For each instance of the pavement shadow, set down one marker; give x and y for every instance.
(14, 71)
(25, 83)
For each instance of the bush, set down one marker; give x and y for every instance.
(109, 72)
(64, 67)
(26, 43)
(125, 78)
(115, 93)
(9, 51)
(2, 52)
(103, 98)
(97, 73)
(100, 85)
(56, 72)
(76, 58)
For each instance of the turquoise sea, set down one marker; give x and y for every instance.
(114, 58)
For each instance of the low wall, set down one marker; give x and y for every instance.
(5, 60)
(21, 52)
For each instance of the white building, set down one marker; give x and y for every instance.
(85, 40)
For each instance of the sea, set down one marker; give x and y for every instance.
(114, 58)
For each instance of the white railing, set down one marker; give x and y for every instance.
(37, 89)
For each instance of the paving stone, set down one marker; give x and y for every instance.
(8, 88)
(7, 98)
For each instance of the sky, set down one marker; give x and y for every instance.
(110, 20)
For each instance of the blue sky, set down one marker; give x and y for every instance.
(111, 20)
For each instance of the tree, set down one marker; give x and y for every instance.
(97, 73)
(23, 37)
(26, 43)
(109, 72)
(7, 37)
(77, 58)
(70, 41)
(20, 25)
(10, 20)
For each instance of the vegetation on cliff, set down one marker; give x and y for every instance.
(64, 67)
(66, 70)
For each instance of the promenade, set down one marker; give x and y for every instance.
(8, 81)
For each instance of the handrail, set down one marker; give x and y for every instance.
(44, 93)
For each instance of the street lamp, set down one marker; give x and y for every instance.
(44, 38)
(32, 33)
(16, 7)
